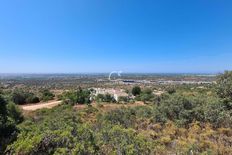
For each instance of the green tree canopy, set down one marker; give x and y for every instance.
(46, 95)
(224, 85)
(136, 90)
(9, 117)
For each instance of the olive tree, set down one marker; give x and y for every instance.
(224, 85)
(136, 90)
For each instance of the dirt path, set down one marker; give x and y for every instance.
(34, 107)
(51, 104)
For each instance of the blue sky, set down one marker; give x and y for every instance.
(60, 36)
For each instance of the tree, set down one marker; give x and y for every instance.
(47, 95)
(109, 98)
(69, 97)
(9, 117)
(171, 90)
(136, 90)
(14, 112)
(80, 96)
(3, 113)
(105, 98)
(145, 95)
(23, 97)
(31, 98)
(83, 96)
(18, 97)
(3, 123)
(224, 86)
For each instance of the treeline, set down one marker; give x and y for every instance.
(20, 96)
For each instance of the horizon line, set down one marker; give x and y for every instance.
(49, 73)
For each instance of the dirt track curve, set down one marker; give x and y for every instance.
(34, 107)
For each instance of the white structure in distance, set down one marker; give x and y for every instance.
(115, 72)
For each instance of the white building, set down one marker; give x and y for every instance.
(115, 93)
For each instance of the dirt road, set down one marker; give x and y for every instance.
(34, 107)
(51, 104)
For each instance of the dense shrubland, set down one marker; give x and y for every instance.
(79, 96)
(186, 119)
(146, 96)
(46, 95)
(10, 116)
(105, 98)
(122, 131)
(23, 97)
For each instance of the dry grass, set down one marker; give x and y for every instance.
(109, 106)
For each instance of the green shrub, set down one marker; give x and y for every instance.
(19, 97)
(123, 99)
(105, 98)
(224, 86)
(77, 97)
(10, 116)
(23, 97)
(46, 95)
(136, 90)
(171, 90)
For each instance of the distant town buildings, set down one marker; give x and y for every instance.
(133, 82)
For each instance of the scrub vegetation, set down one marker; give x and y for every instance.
(185, 119)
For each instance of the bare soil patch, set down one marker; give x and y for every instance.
(33, 107)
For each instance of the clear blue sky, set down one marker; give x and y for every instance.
(71, 36)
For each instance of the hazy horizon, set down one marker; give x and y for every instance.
(203, 73)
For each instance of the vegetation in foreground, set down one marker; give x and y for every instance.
(185, 120)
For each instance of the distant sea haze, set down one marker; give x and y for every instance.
(46, 75)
